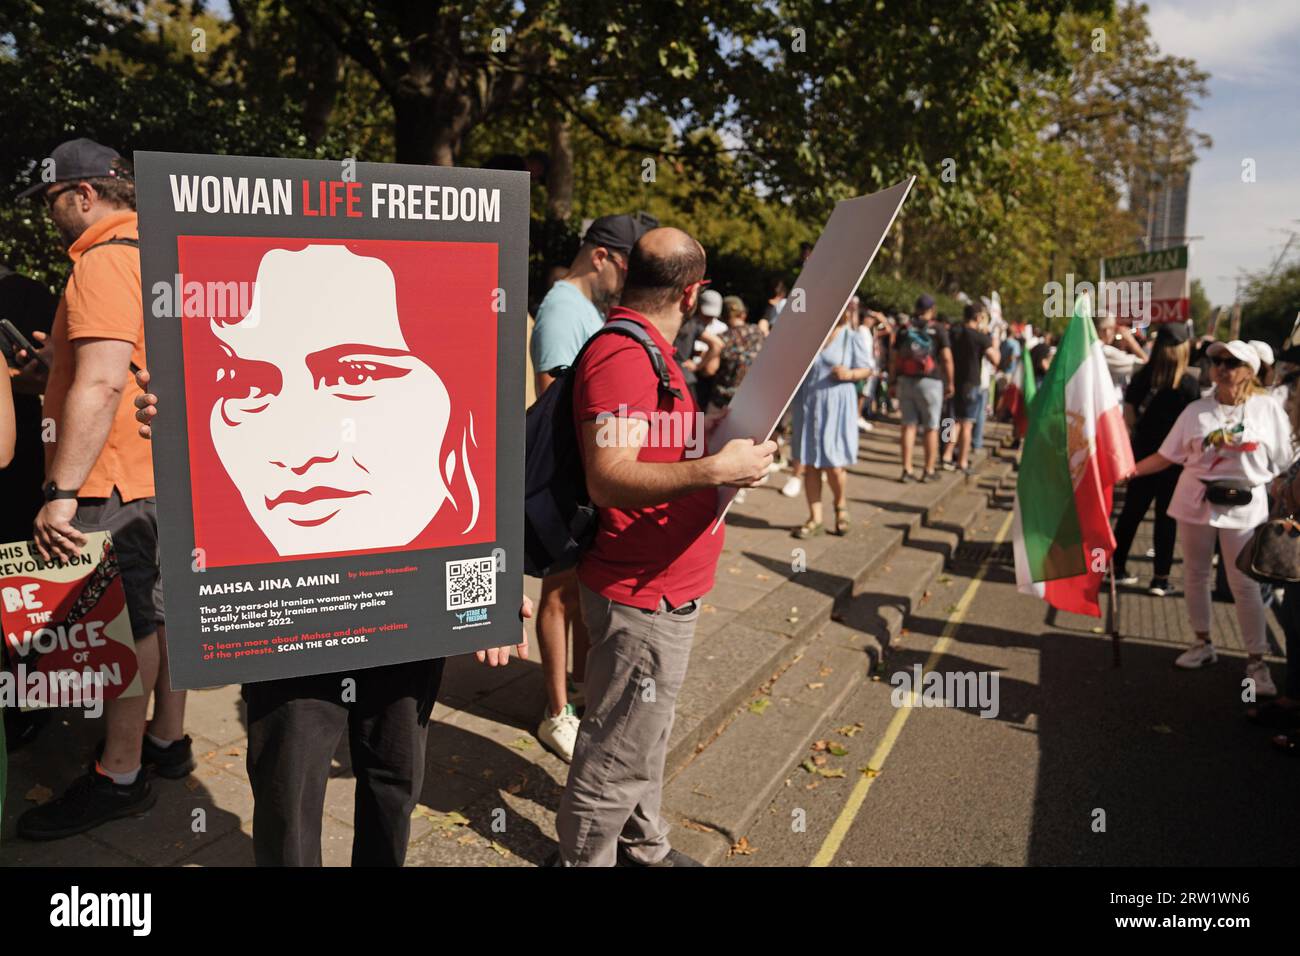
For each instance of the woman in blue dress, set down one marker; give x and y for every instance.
(825, 423)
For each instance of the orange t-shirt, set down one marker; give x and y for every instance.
(102, 300)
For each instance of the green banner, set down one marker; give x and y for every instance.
(1142, 263)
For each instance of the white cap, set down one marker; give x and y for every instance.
(1238, 350)
(711, 303)
(1264, 349)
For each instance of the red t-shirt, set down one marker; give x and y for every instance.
(643, 554)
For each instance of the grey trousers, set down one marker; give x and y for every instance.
(635, 670)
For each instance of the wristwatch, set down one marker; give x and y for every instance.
(54, 493)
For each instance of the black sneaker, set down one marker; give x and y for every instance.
(674, 858)
(173, 761)
(90, 800)
(909, 478)
(929, 476)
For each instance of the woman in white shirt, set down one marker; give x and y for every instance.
(1231, 444)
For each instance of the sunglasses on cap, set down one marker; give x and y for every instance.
(1226, 361)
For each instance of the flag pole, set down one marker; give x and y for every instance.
(1112, 613)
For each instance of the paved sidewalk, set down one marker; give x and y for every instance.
(490, 790)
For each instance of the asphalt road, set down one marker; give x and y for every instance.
(1082, 764)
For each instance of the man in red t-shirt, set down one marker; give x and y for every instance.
(654, 557)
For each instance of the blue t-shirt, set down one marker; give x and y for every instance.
(565, 320)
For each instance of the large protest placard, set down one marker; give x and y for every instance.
(338, 354)
(831, 275)
(66, 628)
(1146, 287)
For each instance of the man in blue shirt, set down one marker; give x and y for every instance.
(572, 310)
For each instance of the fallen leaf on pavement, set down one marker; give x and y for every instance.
(837, 750)
(39, 793)
(741, 848)
(836, 773)
(523, 743)
(819, 761)
(760, 705)
(820, 745)
(443, 821)
(693, 825)
(849, 730)
(1163, 729)
(502, 851)
(816, 685)
(869, 771)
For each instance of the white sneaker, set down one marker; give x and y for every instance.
(1126, 580)
(776, 466)
(793, 485)
(559, 734)
(865, 425)
(1198, 655)
(1264, 686)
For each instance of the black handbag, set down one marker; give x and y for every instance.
(1273, 552)
(1231, 493)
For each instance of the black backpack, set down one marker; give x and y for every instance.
(560, 522)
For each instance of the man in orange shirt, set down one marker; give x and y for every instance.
(99, 476)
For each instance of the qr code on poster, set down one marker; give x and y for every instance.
(471, 583)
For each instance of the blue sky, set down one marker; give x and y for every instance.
(1253, 111)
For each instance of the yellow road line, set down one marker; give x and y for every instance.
(844, 821)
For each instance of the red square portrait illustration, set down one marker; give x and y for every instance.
(341, 395)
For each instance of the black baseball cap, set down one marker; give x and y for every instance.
(924, 302)
(619, 233)
(1176, 332)
(75, 160)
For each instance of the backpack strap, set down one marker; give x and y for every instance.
(115, 241)
(633, 330)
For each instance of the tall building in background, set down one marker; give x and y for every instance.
(1161, 206)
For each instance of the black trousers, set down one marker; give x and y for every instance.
(1139, 495)
(294, 729)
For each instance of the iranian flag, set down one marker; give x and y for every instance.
(1075, 450)
(1020, 394)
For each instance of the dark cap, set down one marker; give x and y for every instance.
(1175, 332)
(924, 302)
(619, 233)
(76, 159)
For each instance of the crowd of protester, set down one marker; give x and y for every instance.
(1218, 410)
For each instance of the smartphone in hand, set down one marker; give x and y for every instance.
(18, 342)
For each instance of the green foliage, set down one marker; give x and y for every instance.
(1271, 303)
(742, 121)
(886, 293)
(1199, 304)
